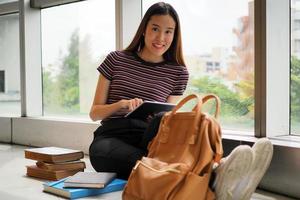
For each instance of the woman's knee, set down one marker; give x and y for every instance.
(108, 164)
(114, 155)
(101, 146)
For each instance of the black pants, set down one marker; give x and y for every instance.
(119, 143)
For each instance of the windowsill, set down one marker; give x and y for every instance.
(283, 140)
(243, 136)
(63, 119)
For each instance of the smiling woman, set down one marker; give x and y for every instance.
(151, 68)
(159, 35)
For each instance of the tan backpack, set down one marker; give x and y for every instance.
(180, 159)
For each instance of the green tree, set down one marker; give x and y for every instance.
(47, 88)
(245, 89)
(295, 89)
(50, 91)
(232, 104)
(68, 78)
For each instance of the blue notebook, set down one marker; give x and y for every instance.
(57, 188)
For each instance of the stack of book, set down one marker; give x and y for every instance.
(54, 163)
(85, 184)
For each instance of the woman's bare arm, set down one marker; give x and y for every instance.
(173, 99)
(100, 110)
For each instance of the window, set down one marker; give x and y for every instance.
(296, 45)
(219, 53)
(9, 65)
(75, 39)
(296, 24)
(295, 67)
(209, 64)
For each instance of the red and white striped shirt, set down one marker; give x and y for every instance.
(131, 77)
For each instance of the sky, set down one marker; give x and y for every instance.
(59, 22)
(205, 24)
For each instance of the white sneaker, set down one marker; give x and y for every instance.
(231, 171)
(263, 152)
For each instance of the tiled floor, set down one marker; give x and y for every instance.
(15, 185)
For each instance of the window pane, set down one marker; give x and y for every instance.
(9, 66)
(75, 39)
(295, 67)
(218, 46)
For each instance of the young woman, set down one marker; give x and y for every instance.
(151, 68)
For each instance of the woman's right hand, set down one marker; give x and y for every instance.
(129, 105)
(100, 110)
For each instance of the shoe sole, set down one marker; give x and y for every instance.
(233, 170)
(263, 152)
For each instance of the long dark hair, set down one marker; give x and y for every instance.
(174, 53)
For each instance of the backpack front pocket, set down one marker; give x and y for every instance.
(153, 179)
(194, 187)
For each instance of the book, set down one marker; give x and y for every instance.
(149, 108)
(90, 179)
(37, 172)
(74, 193)
(72, 165)
(53, 154)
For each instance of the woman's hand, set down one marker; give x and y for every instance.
(129, 105)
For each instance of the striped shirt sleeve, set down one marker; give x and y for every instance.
(181, 83)
(106, 68)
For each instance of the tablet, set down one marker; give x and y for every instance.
(149, 108)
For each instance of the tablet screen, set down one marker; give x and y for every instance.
(149, 108)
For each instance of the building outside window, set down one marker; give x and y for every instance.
(296, 24)
(296, 45)
(9, 65)
(218, 46)
(75, 39)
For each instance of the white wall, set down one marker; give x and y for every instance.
(42, 132)
(5, 129)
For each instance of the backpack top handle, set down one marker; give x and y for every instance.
(185, 100)
(218, 102)
(196, 110)
(198, 106)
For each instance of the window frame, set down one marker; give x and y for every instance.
(30, 59)
(50, 3)
(44, 131)
(277, 77)
(9, 8)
